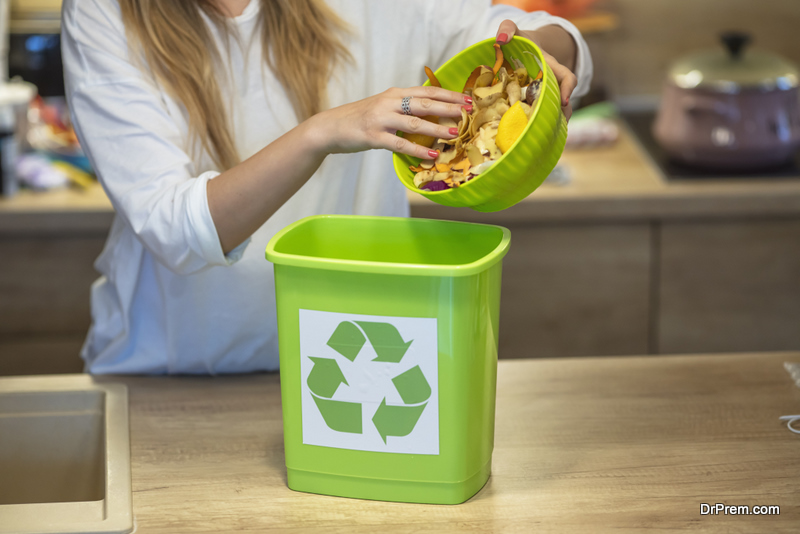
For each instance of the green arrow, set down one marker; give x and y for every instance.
(339, 415)
(386, 341)
(347, 340)
(325, 377)
(396, 420)
(412, 386)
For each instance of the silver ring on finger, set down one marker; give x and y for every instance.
(406, 105)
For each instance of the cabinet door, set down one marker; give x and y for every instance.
(44, 283)
(576, 290)
(730, 286)
(37, 355)
(44, 301)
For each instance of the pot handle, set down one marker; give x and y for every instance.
(735, 42)
(694, 105)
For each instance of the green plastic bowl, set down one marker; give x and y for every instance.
(530, 159)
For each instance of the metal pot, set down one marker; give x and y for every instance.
(734, 110)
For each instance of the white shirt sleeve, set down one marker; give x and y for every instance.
(135, 145)
(466, 22)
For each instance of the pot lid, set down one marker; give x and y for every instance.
(734, 68)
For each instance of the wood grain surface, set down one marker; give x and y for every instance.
(41, 354)
(729, 286)
(45, 284)
(577, 290)
(625, 444)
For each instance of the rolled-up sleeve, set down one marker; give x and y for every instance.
(137, 148)
(466, 22)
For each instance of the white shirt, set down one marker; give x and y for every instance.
(169, 300)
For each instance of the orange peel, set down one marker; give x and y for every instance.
(432, 77)
(470, 83)
(442, 167)
(498, 54)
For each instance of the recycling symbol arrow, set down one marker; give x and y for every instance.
(326, 376)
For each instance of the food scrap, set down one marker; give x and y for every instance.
(503, 98)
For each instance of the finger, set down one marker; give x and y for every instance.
(506, 31)
(404, 146)
(426, 106)
(567, 81)
(418, 125)
(568, 85)
(567, 110)
(433, 93)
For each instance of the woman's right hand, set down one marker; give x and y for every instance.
(243, 197)
(374, 121)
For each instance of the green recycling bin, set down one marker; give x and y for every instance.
(388, 332)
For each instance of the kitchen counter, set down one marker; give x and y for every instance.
(613, 183)
(56, 211)
(621, 182)
(581, 444)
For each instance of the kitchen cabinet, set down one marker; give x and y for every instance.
(579, 289)
(47, 251)
(45, 282)
(44, 309)
(729, 286)
(667, 287)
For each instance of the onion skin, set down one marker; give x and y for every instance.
(436, 185)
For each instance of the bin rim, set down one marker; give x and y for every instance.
(378, 267)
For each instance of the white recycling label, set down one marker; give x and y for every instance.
(369, 382)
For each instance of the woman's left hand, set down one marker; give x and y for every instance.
(567, 80)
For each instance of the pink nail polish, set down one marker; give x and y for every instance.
(453, 131)
(468, 109)
(468, 99)
(433, 154)
(502, 38)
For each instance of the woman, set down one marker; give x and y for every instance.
(212, 124)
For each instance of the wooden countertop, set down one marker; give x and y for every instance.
(582, 444)
(619, 182)
(56, 211)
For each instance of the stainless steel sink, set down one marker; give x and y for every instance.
(64, 456)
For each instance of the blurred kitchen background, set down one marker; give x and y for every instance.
(623, 251)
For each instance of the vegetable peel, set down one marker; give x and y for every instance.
(494, 90)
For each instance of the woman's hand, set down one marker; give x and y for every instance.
(556, 40)
(374, 121)
(243, 197)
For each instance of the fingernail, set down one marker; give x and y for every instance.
(433, 154)
(468, 109)
(468, 99)
(502, 38)
(453, 131)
